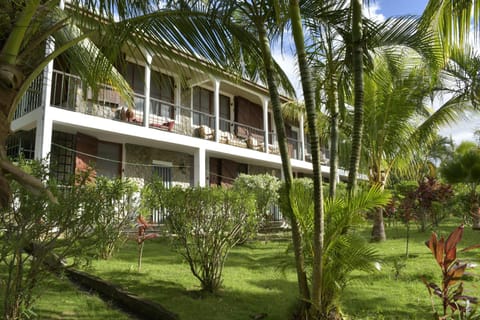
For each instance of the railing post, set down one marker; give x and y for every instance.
(265, 123)
(216, 107)
(199, 167)
(302, 139)
(146, 91)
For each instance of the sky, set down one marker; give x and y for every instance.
(382, 9)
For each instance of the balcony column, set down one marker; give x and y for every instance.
(146, 89)
(44, 126)
(216, 107)
(265, 123)
(199, 164)
(302, 138)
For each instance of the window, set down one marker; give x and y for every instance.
(62, 156)
(163, 172)
(135, 76)
(21, 144)
(203, 103)
(109, 162)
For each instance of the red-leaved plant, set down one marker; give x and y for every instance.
(451, 290)
(142, 226)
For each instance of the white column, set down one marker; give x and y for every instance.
(199, 167)
(302, 137)
(216, 107)
(44, 126)
(146, 89)
(265, 123)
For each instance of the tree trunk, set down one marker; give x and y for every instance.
(318, 217)
(378, 230)
(357, 57)
(287, 169)
(332, 103)
(6, 98)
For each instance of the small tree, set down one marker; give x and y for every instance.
(207, 223)
(37, 234)
(142, 235)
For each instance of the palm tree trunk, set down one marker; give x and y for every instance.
(287, 169)
(318, 217)
(7, 97)
(332, 105)
(378, 230)
(357, 53)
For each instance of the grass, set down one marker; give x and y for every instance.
(59, 299)
(253, 283)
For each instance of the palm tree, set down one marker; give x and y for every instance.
(395, 93)
(318, 216)
(453, 19)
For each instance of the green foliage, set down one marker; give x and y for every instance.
(115, 202)
(207, 223)
(37, 234)
(344, 250)
(265, 189)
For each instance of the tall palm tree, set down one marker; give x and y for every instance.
(309, 96)
(357, 60)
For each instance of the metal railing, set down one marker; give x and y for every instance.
(68, 92)
(32, 99)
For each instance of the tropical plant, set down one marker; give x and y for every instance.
(142, 235)
(207, 224)
(464, 168)
(451, 290)
(344, 249)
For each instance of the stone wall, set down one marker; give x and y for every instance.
(253, 170)
(139, 164)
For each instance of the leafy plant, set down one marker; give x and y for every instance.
(115, 202)
(142, 227)
(344, 250)
(399, 264)
(451, 289)
(265, 189)
(207, 223)
(37, 234)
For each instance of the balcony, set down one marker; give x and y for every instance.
(68, 93)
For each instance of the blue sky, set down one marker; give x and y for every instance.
(400, 7)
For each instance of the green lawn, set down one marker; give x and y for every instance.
(254, 283)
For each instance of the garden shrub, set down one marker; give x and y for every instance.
(37, 234)
(264, 187)
(206, 223)
(116, 204)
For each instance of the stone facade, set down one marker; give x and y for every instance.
(140, 161)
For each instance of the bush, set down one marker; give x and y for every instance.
(37, 234)
(207, 223)
(115, 202)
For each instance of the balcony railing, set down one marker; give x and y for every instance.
(32, 99)
(68, 92)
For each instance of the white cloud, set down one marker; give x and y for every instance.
(372, 11)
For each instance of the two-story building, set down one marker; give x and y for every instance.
(188, 129)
